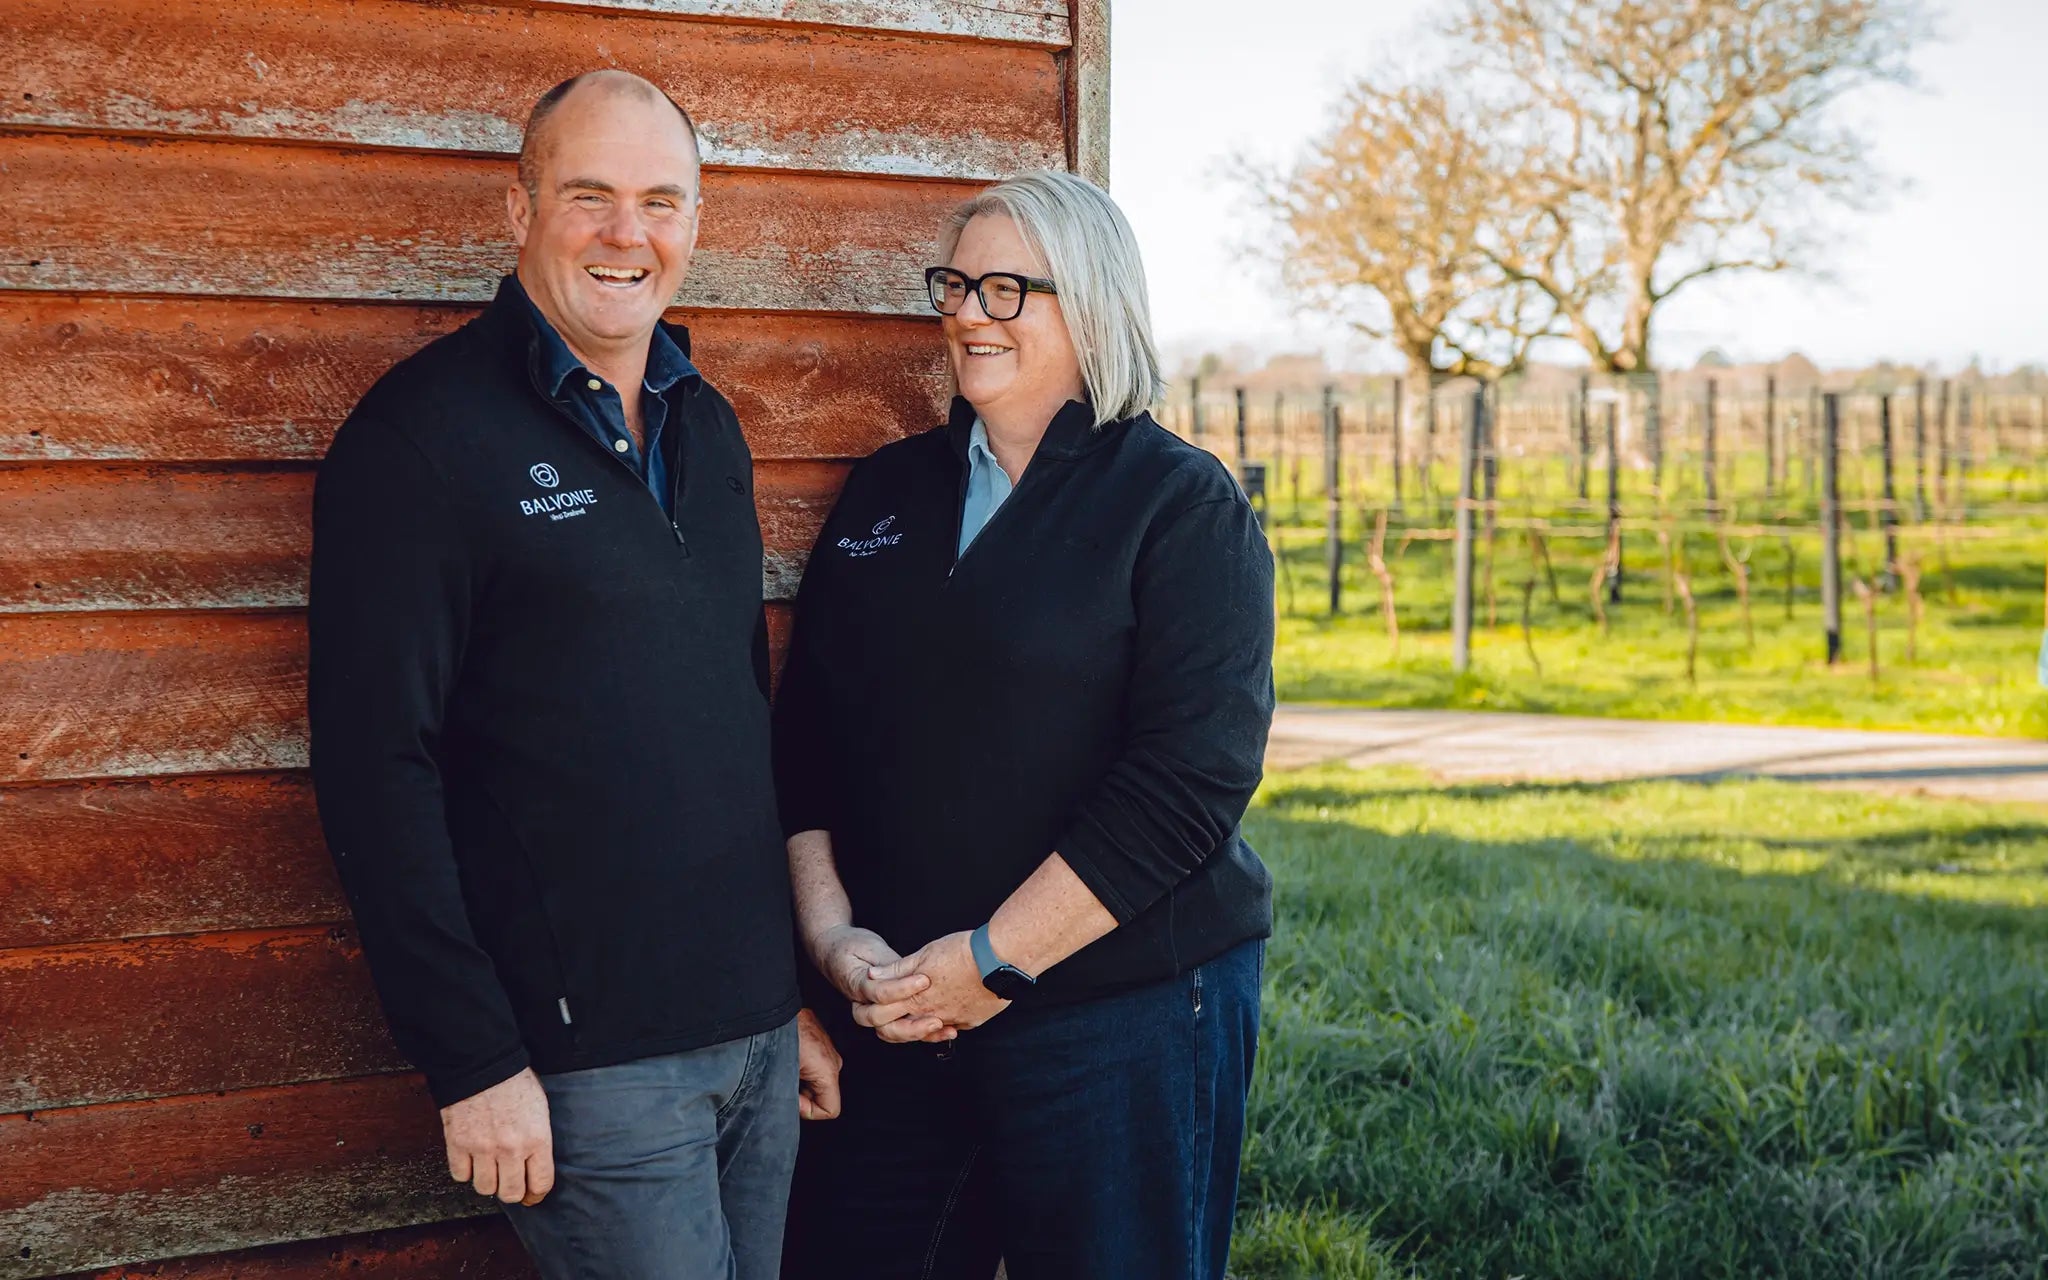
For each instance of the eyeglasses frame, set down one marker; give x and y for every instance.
(1025, 285)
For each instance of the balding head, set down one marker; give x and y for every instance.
(533, 147)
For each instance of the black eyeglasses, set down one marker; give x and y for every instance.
(1001, 292)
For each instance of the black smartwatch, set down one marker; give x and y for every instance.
(1004, 980)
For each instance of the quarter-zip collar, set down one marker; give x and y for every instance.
(1071, 433)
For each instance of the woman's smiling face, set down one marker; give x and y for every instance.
(1020, 370)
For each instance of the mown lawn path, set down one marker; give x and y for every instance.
(1473, 745)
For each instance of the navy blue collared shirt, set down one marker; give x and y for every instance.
(596, 406)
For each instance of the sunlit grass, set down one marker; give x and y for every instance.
(1647, 1029)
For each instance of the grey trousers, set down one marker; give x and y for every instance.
(670, 1168)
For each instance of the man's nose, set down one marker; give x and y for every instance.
(623, 229)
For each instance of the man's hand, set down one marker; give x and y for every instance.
(817, 1069)
(850, 957)
(955, 1000)
(499, 1141)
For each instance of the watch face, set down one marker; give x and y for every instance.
(1007, 982)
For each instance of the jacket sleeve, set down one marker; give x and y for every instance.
(389, 616)
(1199, 706)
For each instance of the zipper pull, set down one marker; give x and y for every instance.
(563, 1005)
(677, 530)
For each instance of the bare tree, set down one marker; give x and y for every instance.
(1664, 141)
(1381, 220)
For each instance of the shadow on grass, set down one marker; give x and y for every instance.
(1497, 1045)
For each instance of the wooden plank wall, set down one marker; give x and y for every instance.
(223, 220)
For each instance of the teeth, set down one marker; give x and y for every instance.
(974, 350)
(617, 273)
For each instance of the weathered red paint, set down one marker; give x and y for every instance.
(203, 380)
(83, 861)
(476, 1249)
(385, 73)
(109, 1021)
(127, 1181)
(77, 536)
(210, 218)
(139, 695)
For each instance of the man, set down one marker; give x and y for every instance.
(540, 731)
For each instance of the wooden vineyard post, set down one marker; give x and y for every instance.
(1489, 476)
(1333, 494)
(1461, 578)
(1707, 451)
(1400, 418)
(1890, 519)
(1771, 436)
(1240, 433)
(1585, 440)
(1653, 425)
(1920, 451)
(1831, 525)
(1964, 460)
(1613, 504)
(1195, 410)
(1941, 439)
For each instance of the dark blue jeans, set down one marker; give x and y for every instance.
(1098, 1139)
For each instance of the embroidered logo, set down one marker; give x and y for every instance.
(868, 546)
(555, 506)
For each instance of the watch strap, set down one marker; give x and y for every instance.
(990, 964)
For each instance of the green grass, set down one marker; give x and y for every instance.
(1649, 1029)
(1970, 669)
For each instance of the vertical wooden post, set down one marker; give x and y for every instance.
(1279, 441)
(1890, 518)
(1707, 451)
(1941, 438)
(1333, 492)
(1489, 461)
(1964, 454)
(1653, 427)
(1400, 417)
(1240, 432)
(1771, 435)
(1920, 451)
(1831, 525)
(1425, 465)
(1614, 498)
(1461, 577)
(1195, 410)
(1585, 429)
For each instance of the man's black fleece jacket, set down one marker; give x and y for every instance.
(540, 722)
(1093, 677)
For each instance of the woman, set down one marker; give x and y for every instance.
(1025, 708)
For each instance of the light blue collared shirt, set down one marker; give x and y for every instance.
(987, 485)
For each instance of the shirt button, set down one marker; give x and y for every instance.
(595, 384)
(620, 446)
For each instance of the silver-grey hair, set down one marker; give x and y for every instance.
(1089, 251)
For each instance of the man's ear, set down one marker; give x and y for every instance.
(518, 212)
(697, 223)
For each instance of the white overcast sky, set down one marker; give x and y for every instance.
(1952, 267)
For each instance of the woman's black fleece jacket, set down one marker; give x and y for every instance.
(1093, 677)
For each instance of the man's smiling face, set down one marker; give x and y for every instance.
(606, 240)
